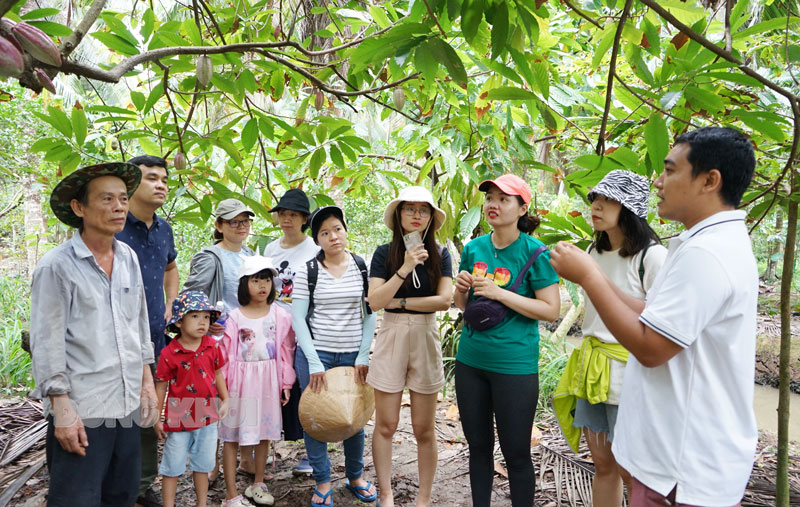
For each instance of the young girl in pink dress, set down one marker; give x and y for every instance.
(260, 344)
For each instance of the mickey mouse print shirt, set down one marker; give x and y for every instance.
(512, 346)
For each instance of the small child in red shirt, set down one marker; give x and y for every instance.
(191, 366)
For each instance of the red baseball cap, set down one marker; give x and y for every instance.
(509, 184)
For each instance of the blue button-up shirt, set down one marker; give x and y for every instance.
(155, 248)
(89, 335)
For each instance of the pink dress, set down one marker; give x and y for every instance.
(259, 366)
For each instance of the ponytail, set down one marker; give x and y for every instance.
(527, 223)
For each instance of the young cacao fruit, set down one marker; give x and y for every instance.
(11, 64)
(205, 69)
(37, 43)
(399, 98)
(179, 162)
(319, 100)
(44, 80)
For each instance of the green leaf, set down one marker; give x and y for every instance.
(767, 26)
(156, 93)
(499, 29)
(656, 139)
(336, 156)
(246, 81)
(276, 83)
(148, 22)
(189, 27)
(604, 45)
(770, 128)
(733, 78)
(669, 99)
(542, 78)
(118, 27)
(469, 221)
(249, 134)
(444, 53)
(685, 12)
(471, 17)
(39, 13)
(379, 16)
(149, 147)
(58, 153)
(52, 29)
(701, 98)
(45, 144)
(425, 62)
(79, 125)
(58, 119)
(138, 100)
(510, 93)
(267, 128)
(316, 162)
(115, 43)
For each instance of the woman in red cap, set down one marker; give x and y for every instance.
(497, 362)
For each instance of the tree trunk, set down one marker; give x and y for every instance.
(561, 332)
(782, 486)
(771, 273)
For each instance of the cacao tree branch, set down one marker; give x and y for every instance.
(653, 106)
(389, 157)
(722, 53)
(728, 37)
(171, 106)
(377, 101)
(213, 20)
(582, 14)
(433, 17)
(74, 39)
(612, 67)
(786, 52)
(6, 5)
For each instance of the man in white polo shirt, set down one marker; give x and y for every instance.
(686, 431)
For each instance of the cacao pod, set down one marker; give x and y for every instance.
(205, 69)
(399, 98)
(179, 162)
(319, 101)
(11, 64)
(37, 43)
(44, 80)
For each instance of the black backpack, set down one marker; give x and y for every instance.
(312, 267)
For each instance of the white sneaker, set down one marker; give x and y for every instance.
(239, 501)
(259, 493)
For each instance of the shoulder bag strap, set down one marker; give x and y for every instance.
(521, 274)
(641, 264)
(362, 266)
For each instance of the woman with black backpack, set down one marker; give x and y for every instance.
(334, 327)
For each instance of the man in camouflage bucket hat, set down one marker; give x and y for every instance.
(90, 343)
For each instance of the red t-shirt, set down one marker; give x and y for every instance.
(191, 402)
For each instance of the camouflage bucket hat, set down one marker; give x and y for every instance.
(190, 301)
(68, 188)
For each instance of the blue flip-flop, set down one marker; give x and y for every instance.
(357, 490)
(324, 497)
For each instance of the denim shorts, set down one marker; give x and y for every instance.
(200, 445)
(600, 417)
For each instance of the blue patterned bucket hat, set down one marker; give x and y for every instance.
(629, 189)
(190, 301)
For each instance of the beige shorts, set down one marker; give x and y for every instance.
(408, 353)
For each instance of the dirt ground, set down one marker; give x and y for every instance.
(560, 474)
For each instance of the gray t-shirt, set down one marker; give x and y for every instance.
(230, 268)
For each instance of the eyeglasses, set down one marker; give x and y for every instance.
(423, 212)
(240, 223)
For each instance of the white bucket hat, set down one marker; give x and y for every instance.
(414, 194)
(254, 264)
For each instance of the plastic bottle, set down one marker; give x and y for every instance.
(223, 316)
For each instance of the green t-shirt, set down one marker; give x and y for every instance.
(511, 347)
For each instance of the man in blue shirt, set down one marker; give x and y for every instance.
(151, 238)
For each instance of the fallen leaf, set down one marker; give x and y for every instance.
(536, 436)
(452, 413)
(500, 469)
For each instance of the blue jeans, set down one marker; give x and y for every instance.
(318, 451)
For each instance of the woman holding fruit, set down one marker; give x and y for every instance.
(496, 367)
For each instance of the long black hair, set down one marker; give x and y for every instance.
(397, 250)
(243, 293)
(636, 231)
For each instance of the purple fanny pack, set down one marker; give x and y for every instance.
(483, 313)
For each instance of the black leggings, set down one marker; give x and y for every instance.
(512, 399)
